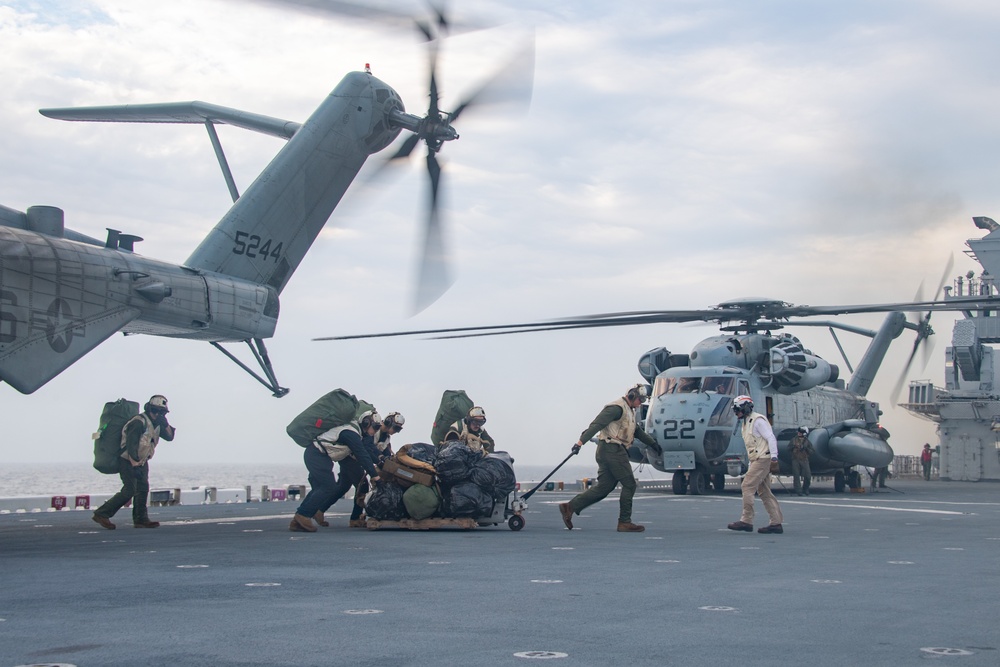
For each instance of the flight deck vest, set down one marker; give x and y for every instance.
(476, 443)
(621, 431)
(757, 447)
(147, 441)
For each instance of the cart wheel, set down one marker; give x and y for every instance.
(516, 522)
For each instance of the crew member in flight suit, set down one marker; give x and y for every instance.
(392, 424)
(352, 472)
(616, 428)
(471, 432)
(140, 435)
(319, 459)
(762, 450)
(801, 448)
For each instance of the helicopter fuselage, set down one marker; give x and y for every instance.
(690, 411)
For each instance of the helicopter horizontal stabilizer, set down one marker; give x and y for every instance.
(194, 112)
(55, 344)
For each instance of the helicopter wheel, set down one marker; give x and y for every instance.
(719, 481)
(697, 483)
(854, 479)
(838, 481)
(680, 485)
(516, 522)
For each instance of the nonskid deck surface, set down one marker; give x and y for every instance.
(887, 578)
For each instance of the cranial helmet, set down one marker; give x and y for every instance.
(159, 402)
(638, 391)
(476, 414)
(394, 419)
(803, 430)
(370, 418)
(743, 404)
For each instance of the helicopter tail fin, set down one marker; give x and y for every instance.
(864, 374)
(269, 229)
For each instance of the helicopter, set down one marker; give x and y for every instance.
(62, 292)
(690, 409)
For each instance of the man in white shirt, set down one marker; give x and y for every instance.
(762, 451)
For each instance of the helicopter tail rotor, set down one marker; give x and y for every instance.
(924, 332)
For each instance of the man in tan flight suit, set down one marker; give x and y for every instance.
(762, 450)
(615, 428)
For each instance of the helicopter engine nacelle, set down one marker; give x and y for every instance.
(794, 369)
(850, 440)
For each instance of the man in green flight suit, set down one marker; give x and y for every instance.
(615, 428)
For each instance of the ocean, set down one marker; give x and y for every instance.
(69, 479)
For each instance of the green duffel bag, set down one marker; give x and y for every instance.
(421, 502)
(455, 405)
(108, 438)
(333, 409)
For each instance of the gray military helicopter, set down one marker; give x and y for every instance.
(690, 411)
(62, 293)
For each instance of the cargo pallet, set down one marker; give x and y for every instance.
(423, 524)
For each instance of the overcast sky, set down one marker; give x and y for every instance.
(675, 155)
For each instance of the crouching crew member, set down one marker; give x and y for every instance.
(616, 428)
(470, 431)
(392, 424)
(337, 444)
(762, 450)
(140, 435)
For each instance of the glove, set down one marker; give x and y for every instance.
(576, 449)
(775, 467)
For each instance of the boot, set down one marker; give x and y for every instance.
(773, 528)
(104, 521)
(303, 524)
(629, 527)
(567, 515)
(321, 520)
(360, 522)
(741, 525)
(146, 524)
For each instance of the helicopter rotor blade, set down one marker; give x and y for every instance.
(433, 278)
(510, 85)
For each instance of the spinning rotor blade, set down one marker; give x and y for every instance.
(924, 332)
(433, 278)
(439, 25)
(749, 313)
(512, 84)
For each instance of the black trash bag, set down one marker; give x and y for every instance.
(454, 462)
(385, 502)
(422, 452)
(494, 475)
(467, 500)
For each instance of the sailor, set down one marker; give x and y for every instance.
(762, 450)
(925, 459)
(801, 448)
(352, 473)
(336, 444)
(140, 435)
(392, 424)
(615, 428)
(470, 431)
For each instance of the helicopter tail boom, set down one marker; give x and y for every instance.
(269, 229)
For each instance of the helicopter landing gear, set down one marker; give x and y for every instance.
(838, 481)
(697, 482)
(679, 484)
(854, 479)
(719, 482)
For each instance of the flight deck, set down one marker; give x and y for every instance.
(889, 578)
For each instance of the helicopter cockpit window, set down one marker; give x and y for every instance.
(688, 386)
(723, 414)
(669, 385)
(663, 386)
(718, 385)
